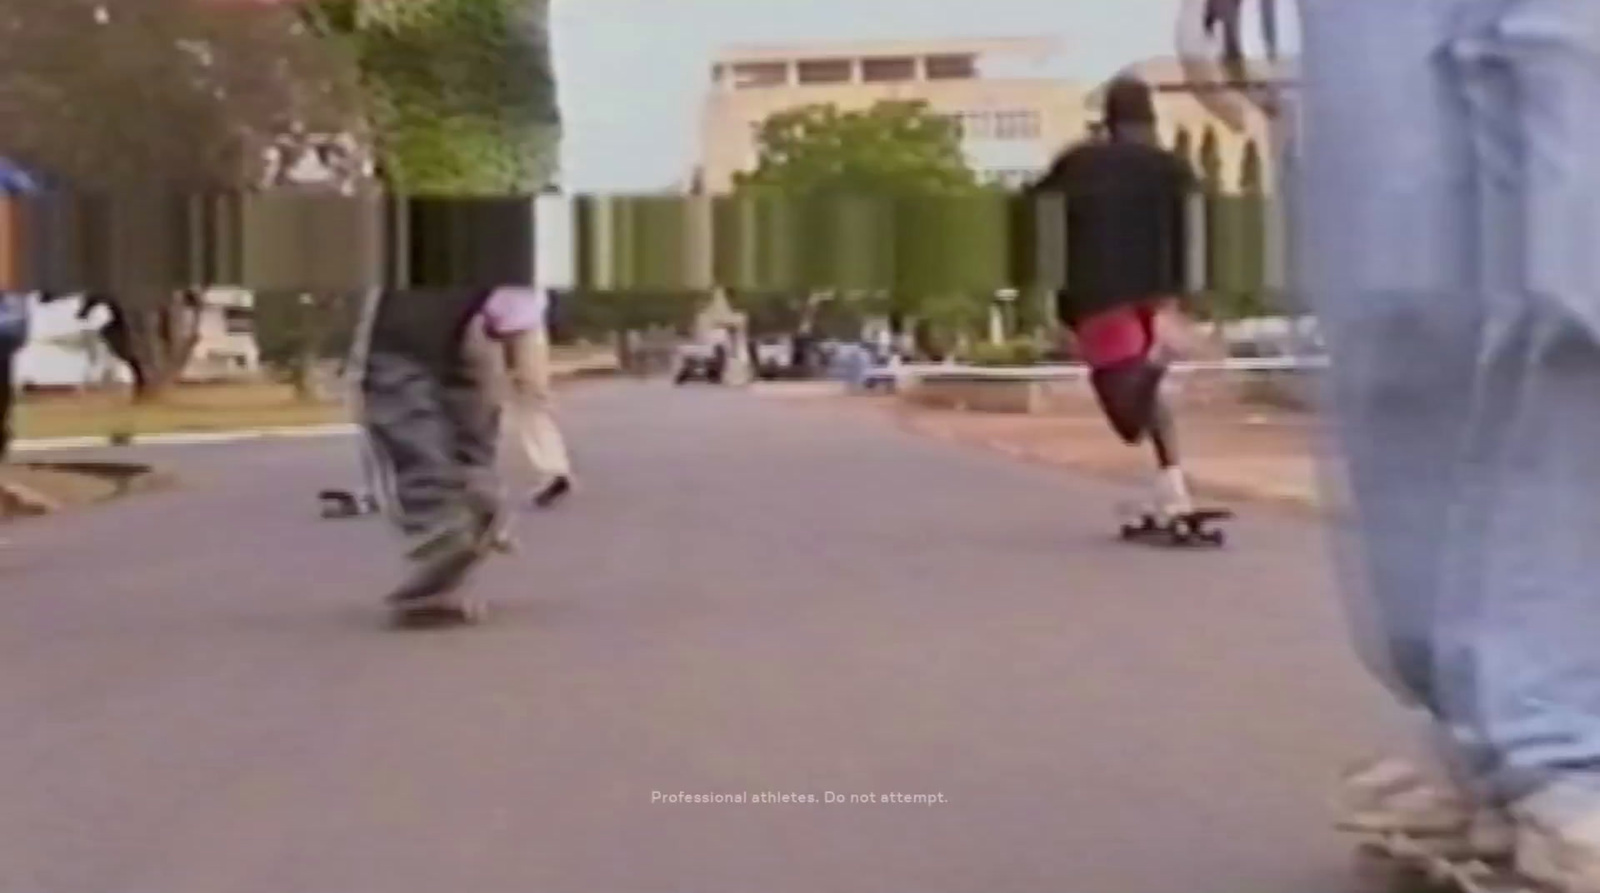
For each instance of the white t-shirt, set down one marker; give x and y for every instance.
(516, 309)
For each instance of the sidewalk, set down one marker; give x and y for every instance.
(1232, 451)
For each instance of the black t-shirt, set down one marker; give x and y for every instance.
(1126, 237)
(427, 325)
(455, 252)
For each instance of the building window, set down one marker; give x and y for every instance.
(1010, 178)
(1250, 173)
(238, 320)
(825, 71)
(952, 68)
(1183, 146)
(1016, 125)
(749, 75)
(977, 125)
(1210, 160)
(884, 70)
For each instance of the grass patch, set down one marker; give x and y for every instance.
(187, 409)
(205, 408)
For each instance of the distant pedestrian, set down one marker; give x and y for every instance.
(517, 320)
(14, 310)
(14, 324)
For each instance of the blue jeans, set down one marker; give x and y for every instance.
(1448, 218)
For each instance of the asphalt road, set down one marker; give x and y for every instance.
(198, 694)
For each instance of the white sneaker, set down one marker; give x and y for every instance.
(1558, 837)
(1393, 797)
(1171, 497)
(1168, 499)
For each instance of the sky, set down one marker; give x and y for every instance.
(632, 73)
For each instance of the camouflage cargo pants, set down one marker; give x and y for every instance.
(433, 424)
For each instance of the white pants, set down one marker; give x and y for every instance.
(530, 403)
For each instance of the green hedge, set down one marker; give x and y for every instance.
(1019, 352)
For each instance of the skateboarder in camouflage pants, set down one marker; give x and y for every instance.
(429, 409)
(1448, 218)
(432, 422)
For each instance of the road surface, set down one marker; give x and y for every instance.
(748, 595)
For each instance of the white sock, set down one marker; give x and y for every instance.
(1174, 489)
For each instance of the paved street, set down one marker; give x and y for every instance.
(749, 595)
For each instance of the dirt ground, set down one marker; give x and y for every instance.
(61, 488)
(1233, 449)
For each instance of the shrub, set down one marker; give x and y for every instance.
(1020, 352)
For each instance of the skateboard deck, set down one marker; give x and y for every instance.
(345, 504)
(431, 597)
(1188, 529)
(1436, 864)
(434, 613)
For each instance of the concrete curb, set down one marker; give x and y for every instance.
(55, 444)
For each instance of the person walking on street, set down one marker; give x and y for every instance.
(15, 306)
(1448, 218)
(517, 319)
(14, 325)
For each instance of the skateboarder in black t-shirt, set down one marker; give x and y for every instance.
(1126, 201)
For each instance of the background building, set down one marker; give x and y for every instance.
(1015, 114)
(1012, 112)
(227, 348)
(1188, 126)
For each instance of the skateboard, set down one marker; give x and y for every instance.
(1431, 863)
(1188, 529)
(345, 504)
(431, 597)
(439, 611)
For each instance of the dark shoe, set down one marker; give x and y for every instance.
(553, 492)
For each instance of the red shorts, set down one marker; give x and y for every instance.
(1117, 336)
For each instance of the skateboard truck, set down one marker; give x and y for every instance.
(344, 504)
(1193, 528)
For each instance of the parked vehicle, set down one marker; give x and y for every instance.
(701, 362)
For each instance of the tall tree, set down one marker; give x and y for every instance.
(462, 92)
(892, 148)
(181, 97)
(881, 203)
